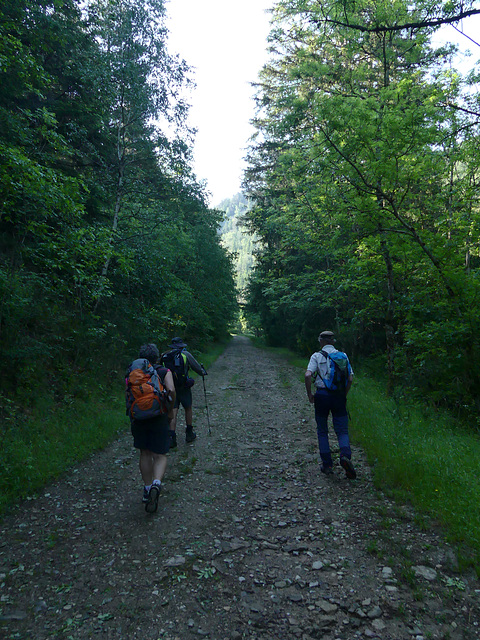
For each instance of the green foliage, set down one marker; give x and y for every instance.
(106, 239)
(363, 181)
(37, 448)
(236, 239)
(43, 434)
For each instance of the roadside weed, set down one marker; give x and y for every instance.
(206, 572)
(454, 583)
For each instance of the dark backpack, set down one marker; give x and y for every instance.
(176, 361)
(337, 378)
(146, 396)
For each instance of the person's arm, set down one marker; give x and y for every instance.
(310, 375)
(170, 387)
(350, 378)
(308, 384)
(196, 366)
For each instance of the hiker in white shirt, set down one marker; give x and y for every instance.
(332, 375)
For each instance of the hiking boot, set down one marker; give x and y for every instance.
(328, 471)
(153, 495)
(348, 467)
(145, 495)
(173, 440)
(190, 435)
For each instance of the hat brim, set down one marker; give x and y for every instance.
(178, 344)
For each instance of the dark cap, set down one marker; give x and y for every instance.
(177, 343)
(326, 335)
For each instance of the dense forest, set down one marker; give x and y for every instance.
(106, 237)
(361, 194)
(364, 179)
(236, 239)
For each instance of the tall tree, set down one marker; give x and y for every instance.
(353, 183)
(104, 230)
(236, 239)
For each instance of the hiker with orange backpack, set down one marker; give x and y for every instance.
(150, 397)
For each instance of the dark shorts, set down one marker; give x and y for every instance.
(184, 398)
(151, 434)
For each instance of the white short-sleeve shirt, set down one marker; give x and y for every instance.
(319, 367)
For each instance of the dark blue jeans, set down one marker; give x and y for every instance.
(326, 403)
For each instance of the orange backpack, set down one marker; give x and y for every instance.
(146, 395)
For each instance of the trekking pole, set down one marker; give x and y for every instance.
(206, 406)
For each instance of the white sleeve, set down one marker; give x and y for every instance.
(312, 365)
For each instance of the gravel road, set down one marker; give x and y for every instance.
(250, 540)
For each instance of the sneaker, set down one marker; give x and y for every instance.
(153, 495)
(190, 435)
(173, 440)
(328, 471)
(145, 495)
(348, 467)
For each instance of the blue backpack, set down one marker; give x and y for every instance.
(337, 379)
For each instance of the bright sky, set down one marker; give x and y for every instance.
(468, 40)
(225, 42)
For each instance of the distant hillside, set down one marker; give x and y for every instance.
(235, 237)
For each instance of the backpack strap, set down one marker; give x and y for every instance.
(162, 371)
(183, 358)
(326, 356)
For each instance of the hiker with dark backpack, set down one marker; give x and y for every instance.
(150, 396)
(332, 375)
(179, 361)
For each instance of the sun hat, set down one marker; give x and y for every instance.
(177, 343)
(326, 335)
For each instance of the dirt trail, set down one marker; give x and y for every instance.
(250, 540)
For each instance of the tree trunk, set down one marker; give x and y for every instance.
(117, 207)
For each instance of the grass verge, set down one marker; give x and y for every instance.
(425, 457)
(419, 455)
(207, 358)
(36, 450)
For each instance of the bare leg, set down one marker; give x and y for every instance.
(152, 466)
(146, 466)
(159, 465)
(172, 422)
(189, 416)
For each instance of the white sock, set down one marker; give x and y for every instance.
(159, 482)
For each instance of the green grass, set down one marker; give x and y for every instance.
(425, 455)
(37, 449)
(421, 455)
